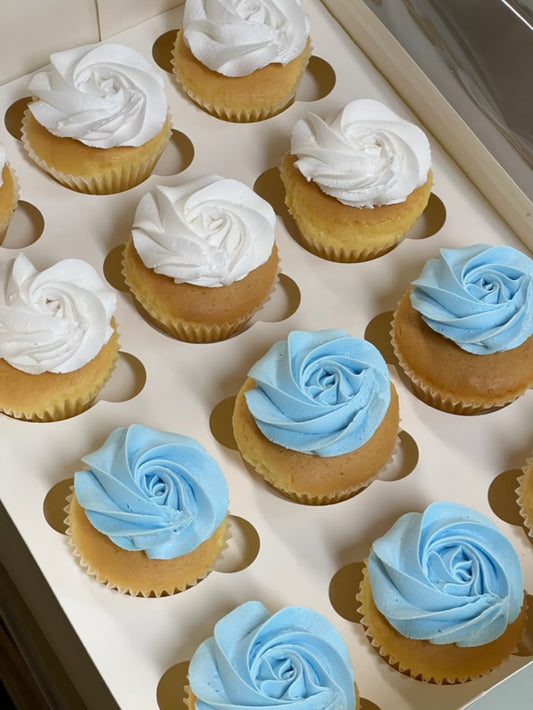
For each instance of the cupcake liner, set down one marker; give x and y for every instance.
(242, 114)
(139, 592)
(114, 180)
(374, 623)
(69, 407)
(441, 399)
(344, 255)
(194, 331)
(11, 209)
(524, 496)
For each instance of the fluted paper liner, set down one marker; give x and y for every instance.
(444, 400)
(345, 256)
(524, 496)
(4, 223)
(113, 180)
(146, 592)
(440, 664)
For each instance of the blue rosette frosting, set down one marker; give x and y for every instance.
(447, 576)
(152, 490)
(480, 297)
(294, 658)
(320, 392)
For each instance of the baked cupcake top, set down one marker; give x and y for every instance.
(104, 95)
(480, 297)
(363, 156)
(234, 38)
(294, 658)
(320, 392)
(447, 575)
(55, 320)
(152, 490)
(210, 231)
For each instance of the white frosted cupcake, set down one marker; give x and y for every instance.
(99, 119)
(242, 61)
(202, 258)
(9, 193)
(357, 181)
(58, 340)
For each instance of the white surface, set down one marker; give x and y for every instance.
(133, 641)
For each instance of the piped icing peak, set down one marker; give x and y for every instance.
(480, 297)
(56, 320)
(294, 659)
(211, 231)
(447, 576)
(103, 95)
(152, 490)
(363, 156)
(237, 37)
(320, 392)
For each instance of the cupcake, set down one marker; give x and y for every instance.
(201, 258)
(524, 494)
(148, 516)
(317, 416)
(293, 658)
(8, 193)
(99, 121)
(356, 182)
(242, 61)
(58, 338)
(442, 595)
(463, 331)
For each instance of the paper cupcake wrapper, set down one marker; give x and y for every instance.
(525, 510)
(67, 409)
(112, 181)
(444, 400)
(129, 591)
(194, 332)
(344, 255)
(9, 214)
(242, 115)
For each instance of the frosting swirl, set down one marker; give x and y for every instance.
(447, 575)
(364, 156)
(322, 392)
(210, 231)
(236, 37)
(103, 95)
(294, 658)
(480, 297)
(56, 320)
(153, 490)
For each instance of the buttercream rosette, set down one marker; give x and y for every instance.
(241, 61)
(58, 338)
(477, 304)
(202, 257)
(442, 595)
(148, 516)
(294, 658)
(318, 416)
(99, 119)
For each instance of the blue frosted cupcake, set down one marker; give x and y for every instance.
(442, 596)
(317, 416)
(463, 331)
(148, 516)
(293, 659)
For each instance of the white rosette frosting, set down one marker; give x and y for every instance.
(364, 156)
(211, 231)
(237, 37)
(104, 95)
(56, 320)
